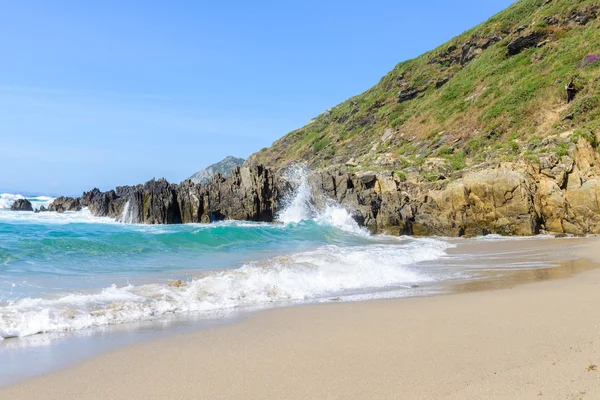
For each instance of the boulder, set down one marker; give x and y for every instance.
(488, 201)
(62, 204)
(21, 205)
(41, 209)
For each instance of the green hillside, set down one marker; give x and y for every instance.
(496, 92)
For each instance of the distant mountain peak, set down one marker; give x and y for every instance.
(224, 167)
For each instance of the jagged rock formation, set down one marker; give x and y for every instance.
(471, 138)
(249, 194)
(21, 205)
(224, 167)
(62, 204)
(555, 195)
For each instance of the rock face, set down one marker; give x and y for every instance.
(524, 42)
(62, 204)
(21, 205)
(248, 194)
(41, 209)
(557, 195)
(224, 167)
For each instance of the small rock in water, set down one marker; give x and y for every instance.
(21, 205)
(177, 283)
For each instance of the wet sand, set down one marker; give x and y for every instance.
(522, 341)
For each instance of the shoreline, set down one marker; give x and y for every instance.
(515, 342)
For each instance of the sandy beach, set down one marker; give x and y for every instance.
(539, 340)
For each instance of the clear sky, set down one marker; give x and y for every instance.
(106, 93)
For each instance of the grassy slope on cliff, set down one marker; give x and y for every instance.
(467, 101)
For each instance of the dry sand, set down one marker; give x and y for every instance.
(533, 341)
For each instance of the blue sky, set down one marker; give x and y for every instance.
(111, 93)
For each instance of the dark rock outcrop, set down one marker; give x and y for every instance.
(21, 205)
(524, 42)
(41, 209)
(467, 52)
(249, 193)
(582, 16)
(409, 94)
(555, 195)
(103, 203)
(62, 204)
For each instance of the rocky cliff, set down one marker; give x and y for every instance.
(554, 195)
(471, 138)
(249, 194)
(490, 94)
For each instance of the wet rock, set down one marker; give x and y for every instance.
(63, 204)
(557, 195)
(21, 205)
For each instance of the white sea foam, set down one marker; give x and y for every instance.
(308, 276)
(7, 200)
(38, 201)
(500, 238)
(48, 217)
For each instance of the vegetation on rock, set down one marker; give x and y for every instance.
(494, 93)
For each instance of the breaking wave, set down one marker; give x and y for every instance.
(312, 254)
(299, 277)
(7, 200)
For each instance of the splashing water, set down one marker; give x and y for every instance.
(127, 216)
(300, 205)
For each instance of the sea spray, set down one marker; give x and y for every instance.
(127, 216)
(300, 204)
